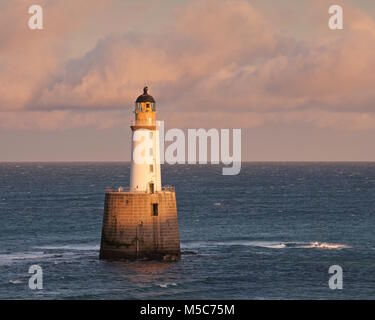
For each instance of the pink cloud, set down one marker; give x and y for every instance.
(216, 59)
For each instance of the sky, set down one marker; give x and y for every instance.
(298, 90)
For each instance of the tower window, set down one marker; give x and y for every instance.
(151, 168)
(155, 209)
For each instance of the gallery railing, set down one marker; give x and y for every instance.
(127, 189)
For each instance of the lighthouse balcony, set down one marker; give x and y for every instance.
(148, 121)
(165, 188)
(143, 124)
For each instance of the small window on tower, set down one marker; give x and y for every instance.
(151, 168)
(155, 210)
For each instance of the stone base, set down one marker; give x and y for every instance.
(140, 226)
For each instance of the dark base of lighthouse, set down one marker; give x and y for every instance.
(140, 226)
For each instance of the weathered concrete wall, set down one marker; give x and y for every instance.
(130, 230)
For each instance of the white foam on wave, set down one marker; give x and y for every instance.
(9, 258)
(64, 252)
(166, 285)
(263, 244)
(266, 244)
(15, 281)
(73, 247)
(324, 245)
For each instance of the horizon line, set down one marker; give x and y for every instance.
(209, 163)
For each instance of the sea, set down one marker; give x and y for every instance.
(271, 232)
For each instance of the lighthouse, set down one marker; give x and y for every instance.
(145, 171)
(140, 222)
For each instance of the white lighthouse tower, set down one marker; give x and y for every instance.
(141, 222)
(145, 157)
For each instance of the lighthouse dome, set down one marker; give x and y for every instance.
(145, 97)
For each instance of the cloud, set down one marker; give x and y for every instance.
(216, 59)
(61, 120)
(27, 58)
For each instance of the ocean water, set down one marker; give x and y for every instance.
(271, 232)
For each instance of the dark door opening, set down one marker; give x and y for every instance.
(155, 210)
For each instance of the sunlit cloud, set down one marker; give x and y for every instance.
(214, 59)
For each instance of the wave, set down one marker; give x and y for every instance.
(58, 253)
(9, 258)
(324, 245)
(266, 244)
(73, 247)
(186, 246)
(165, 285)
(15, 281)
(262, 244)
